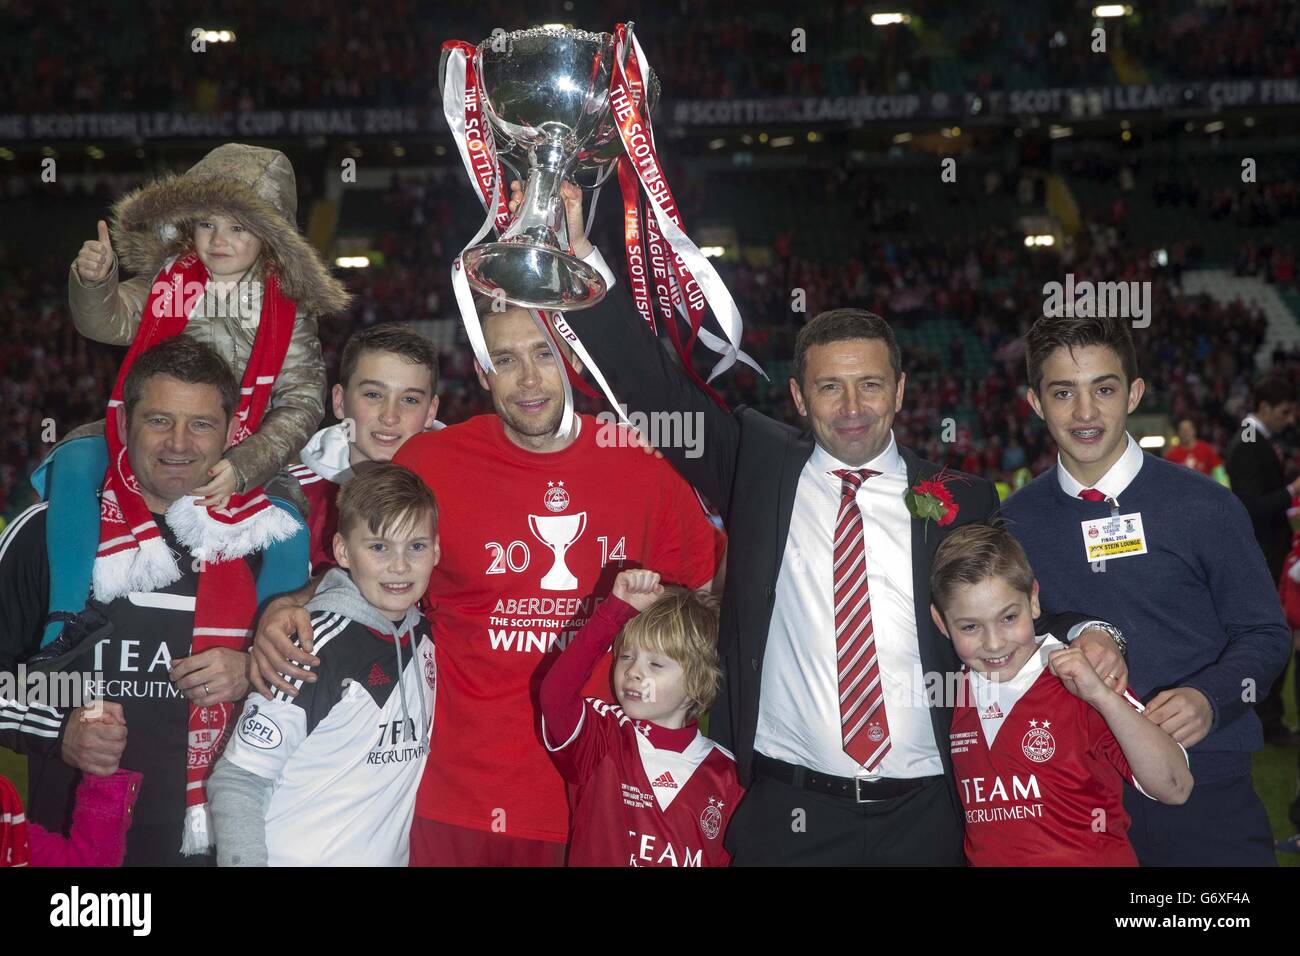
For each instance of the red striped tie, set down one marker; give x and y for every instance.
(863, 725)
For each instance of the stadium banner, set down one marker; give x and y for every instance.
(250, 124)
(1068, 102)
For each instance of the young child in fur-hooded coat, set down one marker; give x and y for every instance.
(222, 235)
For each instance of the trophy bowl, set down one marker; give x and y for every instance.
(546, 96)
(595, 161)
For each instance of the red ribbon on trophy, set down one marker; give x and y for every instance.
(462, 106)
(675, 269)
(669, 277)
(632, 242)
(478, 151)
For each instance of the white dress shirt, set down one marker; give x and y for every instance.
(597, 262)
(1111, 484)
(799, 709)
(1119, 476)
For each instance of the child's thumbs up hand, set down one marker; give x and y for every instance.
(95, 261)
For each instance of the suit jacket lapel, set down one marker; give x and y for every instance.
(925, 541)
(797, 453)
(935, 658)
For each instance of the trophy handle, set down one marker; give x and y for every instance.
(593, 172)
(508, 160)
(442, 71)
(593, 177)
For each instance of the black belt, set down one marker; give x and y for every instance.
(857, 789)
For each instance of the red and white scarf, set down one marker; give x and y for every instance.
(133, 556)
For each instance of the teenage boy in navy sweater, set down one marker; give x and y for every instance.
(1169, 556)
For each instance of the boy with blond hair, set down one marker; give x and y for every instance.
(646, 788)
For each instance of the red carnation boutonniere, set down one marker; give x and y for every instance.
(932, 501)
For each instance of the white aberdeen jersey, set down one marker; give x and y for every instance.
(346, 754)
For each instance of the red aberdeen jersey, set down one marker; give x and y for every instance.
(326, 465)
(14, 850)
(530, 543)
(640, 802)
(1039, 773)
(642, 795)
(322, 515)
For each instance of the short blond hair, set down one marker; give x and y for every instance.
(682, 625)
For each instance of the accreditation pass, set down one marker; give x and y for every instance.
(1119, 536)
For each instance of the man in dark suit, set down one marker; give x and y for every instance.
(837, 686)
(1255, 470)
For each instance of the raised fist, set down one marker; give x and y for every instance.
(638, 587)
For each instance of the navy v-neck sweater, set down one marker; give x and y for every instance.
(1198, 609)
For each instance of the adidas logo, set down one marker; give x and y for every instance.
(665, 779)
(377, 677)
(994, 712)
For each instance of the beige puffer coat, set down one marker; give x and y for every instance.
(154, 223)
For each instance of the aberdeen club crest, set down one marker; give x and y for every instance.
(556, 498)
(711, 818)
(1038, 743)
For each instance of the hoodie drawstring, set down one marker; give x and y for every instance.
(423, 734)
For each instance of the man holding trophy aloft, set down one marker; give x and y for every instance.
(536, 518)
(869, 743)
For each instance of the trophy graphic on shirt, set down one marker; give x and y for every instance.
(558, 532)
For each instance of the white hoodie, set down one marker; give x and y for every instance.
(328, 454)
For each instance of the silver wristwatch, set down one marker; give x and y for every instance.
(1115, 633)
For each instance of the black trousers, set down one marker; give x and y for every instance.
(777, 824)
(1222, 823)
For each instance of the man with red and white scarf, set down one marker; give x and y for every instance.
(172, 652)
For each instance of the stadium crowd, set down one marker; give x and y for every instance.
(986, 282)
(329, 55)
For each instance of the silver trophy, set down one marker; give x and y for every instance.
(596, 160)
(546, 96)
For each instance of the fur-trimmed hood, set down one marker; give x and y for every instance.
(249, 183)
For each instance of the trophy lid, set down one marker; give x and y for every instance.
(502, 41)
